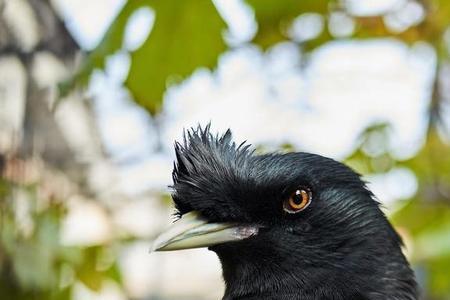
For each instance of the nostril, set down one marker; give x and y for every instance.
(247, 231)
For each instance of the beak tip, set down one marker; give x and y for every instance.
(156, 246)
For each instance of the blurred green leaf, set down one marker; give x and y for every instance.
(427, 216)
(185, 35)
(372, 155)
(111, 42)
(114, 273)
(438, 16)
(438, 279)
(275, 17)
(34, 267)
(88, 273)
(420, 217)
(375, 27)
(434, 240)
(432, 168)
(32, 264)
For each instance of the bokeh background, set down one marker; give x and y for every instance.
(94, 93)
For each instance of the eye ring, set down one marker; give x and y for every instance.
(297, 201)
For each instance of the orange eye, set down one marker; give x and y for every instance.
(298, 201)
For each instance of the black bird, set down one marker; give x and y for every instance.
(284, 226)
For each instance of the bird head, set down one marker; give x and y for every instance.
(283, 223)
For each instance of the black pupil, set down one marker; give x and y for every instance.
(298, 199)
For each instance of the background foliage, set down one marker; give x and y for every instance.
(188, 35)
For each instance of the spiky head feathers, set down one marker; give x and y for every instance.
(207, 169)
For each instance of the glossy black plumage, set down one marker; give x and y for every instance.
(340, 247)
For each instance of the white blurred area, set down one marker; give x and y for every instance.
(265, 98)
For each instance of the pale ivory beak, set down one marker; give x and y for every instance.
(192, 231)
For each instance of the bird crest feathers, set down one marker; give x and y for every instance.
(207, 167)
(202, 152)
